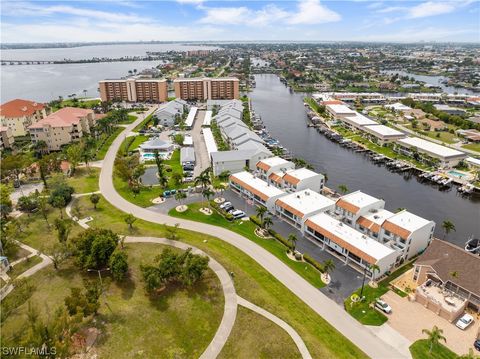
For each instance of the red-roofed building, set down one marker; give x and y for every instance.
(18, 115)
(63, 127)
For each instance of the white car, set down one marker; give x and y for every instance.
(383, 306)
(238, 214)
(225, 204)
(464, 321)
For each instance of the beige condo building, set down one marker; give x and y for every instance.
(202, 89)
(18, 114)
(63, 127)
(6, 138)
(134, 90)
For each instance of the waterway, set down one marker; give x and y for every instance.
(284, 115)
(431, 80)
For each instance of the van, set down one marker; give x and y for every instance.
(238, 214)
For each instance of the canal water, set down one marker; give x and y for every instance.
(284, 115)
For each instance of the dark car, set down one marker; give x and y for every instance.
(476, 344)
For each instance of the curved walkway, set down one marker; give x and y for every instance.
(230, 308)
(292, 332)
(370, 343)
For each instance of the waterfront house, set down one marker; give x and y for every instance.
(352, 246)
(270, 165)
(340, 111)
(353, 205)
(19, 114)
(255, 189)
(357, 121)
(302, 178)
(65, 126)
(448, 279)
(429, 152)
(296, 208)
(382, 135)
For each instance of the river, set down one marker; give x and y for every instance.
(284, 115)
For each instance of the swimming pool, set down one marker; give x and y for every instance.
(457, 174)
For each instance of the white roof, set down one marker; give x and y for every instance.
(473, 160)
(430, 147)
(383, 131)
(378, 216)
(302, 173)
(208, 118)
(398, 106)
(308, 201)
(258, 184)
(341, 109)
(353, 237)
(188, 140)
(209, 141)
(191, 117)
(360, 199)
(275, 161)
(409, 221)
(359, 120)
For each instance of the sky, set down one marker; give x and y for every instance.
(201, 20)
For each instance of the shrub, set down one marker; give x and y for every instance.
(280, 238)
(27, 203)
(298, 256)
(313, 262)
(255, 220)
(229, 217)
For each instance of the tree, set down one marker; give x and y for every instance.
(434, 336)
(130, 220)
(94, 198)
(119, 265)
(447, 226)
(177, 178)
(203, 178)
(6, 205)
(328, 266)
(260, 212)
(14, 165)
(43, 207)
(180, 196)
(28, 203)
(207, 193)
(58, 253)
(266, 223)
(74, 155)
(224, 175)
(85, 302)
(374, 268)
(343, 188)
(159, 163)
(293, 241)
(63, 227)
(94, 246)
(172, 231)
(58, 202)
(40, 148)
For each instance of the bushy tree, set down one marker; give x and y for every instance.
(119, 265)
(63, 227)
(6, 205)
(94, 247)
(83, 302)
(94, 198)
(28, 203)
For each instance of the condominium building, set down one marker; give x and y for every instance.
(63, 127)
(273, 164)
(203, 89)
(18, 114)
(353, 205)
(6, 138)
(134, 90)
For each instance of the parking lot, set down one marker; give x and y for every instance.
(410, 318)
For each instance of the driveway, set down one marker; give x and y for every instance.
(410, 318)
(25, 190)
(345, 279)
(202, 161)
(364, 338)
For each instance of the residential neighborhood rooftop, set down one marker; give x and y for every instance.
(305, 202)
(19, 108)
(66, 116)
(256, 185)
(431, 147)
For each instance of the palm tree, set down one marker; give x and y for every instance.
(374, 268)
(293, 241)
(224, 175)
(203, 179)
(343, 188)
(180, 196)
(328, 266)
(434, 336)
(260, 211)
(267, 223)
(447, 226)
(207, 193)
(163, 181)
(454, 274)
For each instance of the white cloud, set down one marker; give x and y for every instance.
(431, 8)
(419, 34)
(390, 9)
(226, 15)
(193, 2)
(313, 12)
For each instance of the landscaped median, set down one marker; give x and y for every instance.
(247, 229)
(421, 350)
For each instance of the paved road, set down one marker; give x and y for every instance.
(360, 335)
(201, 155)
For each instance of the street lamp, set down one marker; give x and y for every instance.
(363, 281)
(99, 276)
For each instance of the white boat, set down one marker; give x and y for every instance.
(473, 245)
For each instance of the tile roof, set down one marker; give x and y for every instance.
(64, 117)
(19, 108)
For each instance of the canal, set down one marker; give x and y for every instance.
(284, 115)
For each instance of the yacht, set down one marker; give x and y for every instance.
(473, 245)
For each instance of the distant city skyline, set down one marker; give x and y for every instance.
(198, 20)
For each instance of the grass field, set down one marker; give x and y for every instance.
(137, 325)
(420, 350)
(102, 151)
(84, 180)
(23, 266)
(473, 147)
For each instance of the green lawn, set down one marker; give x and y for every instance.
(137, 325)
(144, 123)
(421, 350)
(137, 142)
(71, 103)
(102, 151)
(252, 282)
(246, 229)
(244, 339)
(473, 147)
(130, 119)
(85, 180)
(23, 266)
(444, 136)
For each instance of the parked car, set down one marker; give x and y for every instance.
(228, 208)
(225, 204)
(238, 214)
(383, 306)
(476, 344)
(464, 321)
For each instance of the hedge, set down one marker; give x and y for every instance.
(255, 220)
(280, 238)
(313, 262)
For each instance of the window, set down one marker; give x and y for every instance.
(416, 272)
